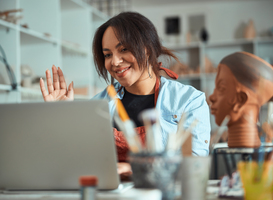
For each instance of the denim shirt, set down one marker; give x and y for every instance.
(174, 99)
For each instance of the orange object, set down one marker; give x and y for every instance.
(120, 108)
(88, 181)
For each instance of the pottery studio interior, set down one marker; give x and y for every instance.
(136, 99)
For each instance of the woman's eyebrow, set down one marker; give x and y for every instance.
(117, 46)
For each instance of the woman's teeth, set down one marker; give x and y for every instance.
(119, 72)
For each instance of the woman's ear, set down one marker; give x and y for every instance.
(242, 98)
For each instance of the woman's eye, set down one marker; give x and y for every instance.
(107, 55)
(124, 49)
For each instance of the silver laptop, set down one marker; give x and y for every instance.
(48, 146)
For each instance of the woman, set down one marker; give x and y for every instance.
(127, 46)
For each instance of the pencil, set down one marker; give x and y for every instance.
(120, 108)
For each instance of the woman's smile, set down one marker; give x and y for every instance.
(121, 72)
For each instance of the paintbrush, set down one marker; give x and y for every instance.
(216, 137)
(180, 127)
(172, 137)
(260, 160)
(180, 140)
(125, 124)
(153, 130)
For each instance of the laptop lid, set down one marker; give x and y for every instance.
(49, 145)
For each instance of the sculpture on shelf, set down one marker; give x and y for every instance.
(250, 32)
(208, 66)
(180, 68)
(5, 15)
(204, 35)
(244, 83)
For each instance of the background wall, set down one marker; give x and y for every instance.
(224, 19)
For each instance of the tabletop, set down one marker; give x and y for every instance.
(132, 194)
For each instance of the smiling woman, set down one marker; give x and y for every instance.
(127, 47)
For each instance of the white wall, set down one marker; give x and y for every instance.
(223, 18)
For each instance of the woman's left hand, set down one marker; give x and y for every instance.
(124, 170)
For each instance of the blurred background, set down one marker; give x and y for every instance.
(35, 34)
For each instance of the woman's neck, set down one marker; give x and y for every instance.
(144, 86)
(244, 132)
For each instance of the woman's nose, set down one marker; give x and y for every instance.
(116, 60)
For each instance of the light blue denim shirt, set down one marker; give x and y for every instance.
(174, 99)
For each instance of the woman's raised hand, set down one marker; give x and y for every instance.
(57, 89)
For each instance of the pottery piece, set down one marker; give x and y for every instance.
(243, 84)
(250, 32)
(188, 37)
(180, 68)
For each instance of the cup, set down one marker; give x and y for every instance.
(257, 180)
(156, 170)
(194, 175)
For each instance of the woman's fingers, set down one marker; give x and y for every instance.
(43, 89)
(124, 168)
(61, 77)
(49, 82)
(70, 92)
(56, 83)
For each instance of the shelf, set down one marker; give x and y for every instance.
(5, 87)
(197, 76)
(220, 43)
(73, 4)
(37, 92)
(264, 40)
(31, 91)
(28, 34)
(82, 97)
(234, 42)
(183, 46)
(75, 48)
(8, 25)
(189, 76)
(210, 75)
(57, 32)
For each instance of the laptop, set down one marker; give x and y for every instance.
(48, 146)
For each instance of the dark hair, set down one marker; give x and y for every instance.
(136, 33)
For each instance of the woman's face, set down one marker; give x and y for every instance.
(120, 62)
(224, 97)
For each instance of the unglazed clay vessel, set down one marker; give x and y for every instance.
(250, 32)
(244, 83)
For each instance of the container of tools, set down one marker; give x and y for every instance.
(156, 170)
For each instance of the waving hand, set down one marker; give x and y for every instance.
(57, 90)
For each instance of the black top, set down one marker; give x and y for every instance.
(134, 104)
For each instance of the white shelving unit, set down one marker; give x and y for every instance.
(58, 32)
(193, 55)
